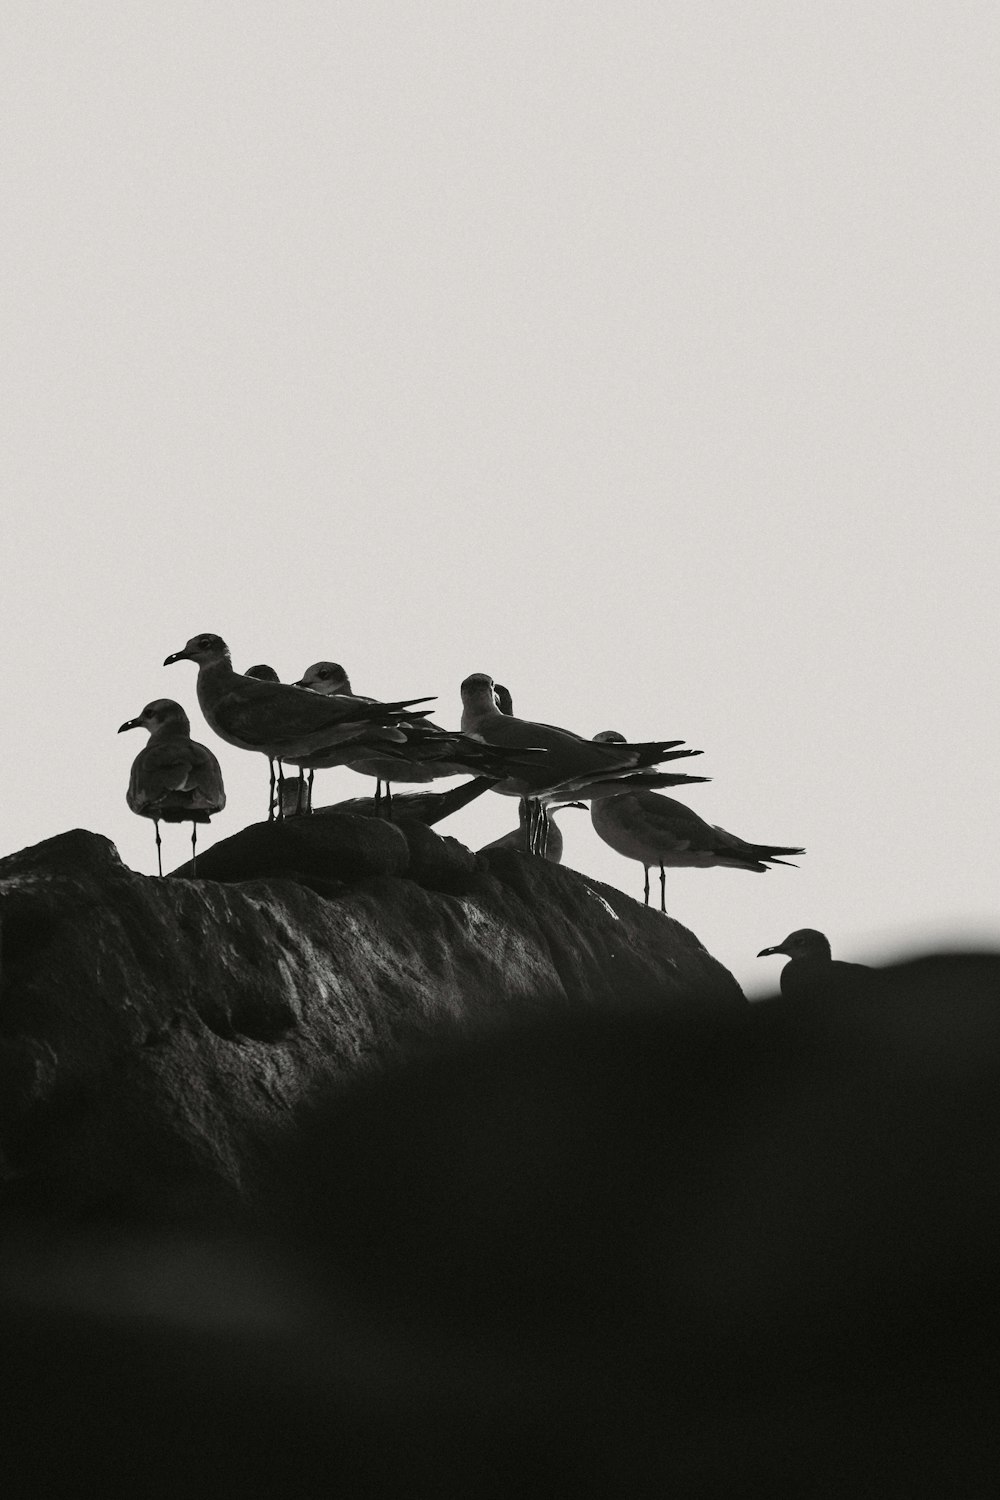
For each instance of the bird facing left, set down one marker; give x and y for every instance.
(174, 779)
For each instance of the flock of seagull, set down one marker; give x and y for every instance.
(319, 722)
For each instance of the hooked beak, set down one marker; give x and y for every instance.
(129, 724)
(765, 951)
(177, 656)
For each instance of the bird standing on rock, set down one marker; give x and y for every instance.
(571, 762)
(174, 779)
(813, 970)
(429, 754)
(656, 830)
(274, 718)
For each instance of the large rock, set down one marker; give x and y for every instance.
(619, 1256)
(156, 1036)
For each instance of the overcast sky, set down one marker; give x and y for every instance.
(644, 356)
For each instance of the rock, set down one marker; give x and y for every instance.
(160, 1034)
(322, 853)
(643, 1253)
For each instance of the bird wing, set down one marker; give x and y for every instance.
(672, 826)
(176, 773)
(259, 713)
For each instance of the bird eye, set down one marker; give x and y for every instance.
(204, 641)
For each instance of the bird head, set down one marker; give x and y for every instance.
(805, 942)
(157, 715)
(204, 649)
(262, 673)
(610, 737)
(477, 691)
(325, 677)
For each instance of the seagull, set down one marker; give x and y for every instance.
(519, 837)
(430, 752)
(572, 764)
(813, 968)
(173, 778)
(277, 719)
(656, 830)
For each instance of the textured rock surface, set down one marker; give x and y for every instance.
(157, 1036)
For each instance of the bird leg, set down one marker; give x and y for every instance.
(299, 794)
(378, 797)
(388, 800)
(663, 890)
(159, 860)
(194, 852)
(309, 792)
(281, 793)
(270, 800)
(645, 871)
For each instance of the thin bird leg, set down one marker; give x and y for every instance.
(388, 800)
(645, 871)
(281, 793)
(378, 797)
(194, 852)
(299, 791)
(532, 825)
(541, 827)
(270, 800)
(663, 890)
(309, 790)
(159, 859)
(526, 804)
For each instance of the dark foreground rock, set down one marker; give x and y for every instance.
(157, 1036)
(744, 1252)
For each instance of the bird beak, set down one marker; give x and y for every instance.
(129, 724)
(300, 684)
(765, 951)
(177, 656)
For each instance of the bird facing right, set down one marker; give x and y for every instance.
(657, 830)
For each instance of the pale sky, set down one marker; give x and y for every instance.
(644, 356)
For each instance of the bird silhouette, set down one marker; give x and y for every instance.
(173, 779)
(812, 971)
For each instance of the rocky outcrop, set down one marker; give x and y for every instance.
(157, 1036)
(619, 1256)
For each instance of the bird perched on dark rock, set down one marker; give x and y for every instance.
(277, 719)
(657, 830)
(429, 754)
(571, 763)
(813, 971)
(174, 779)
